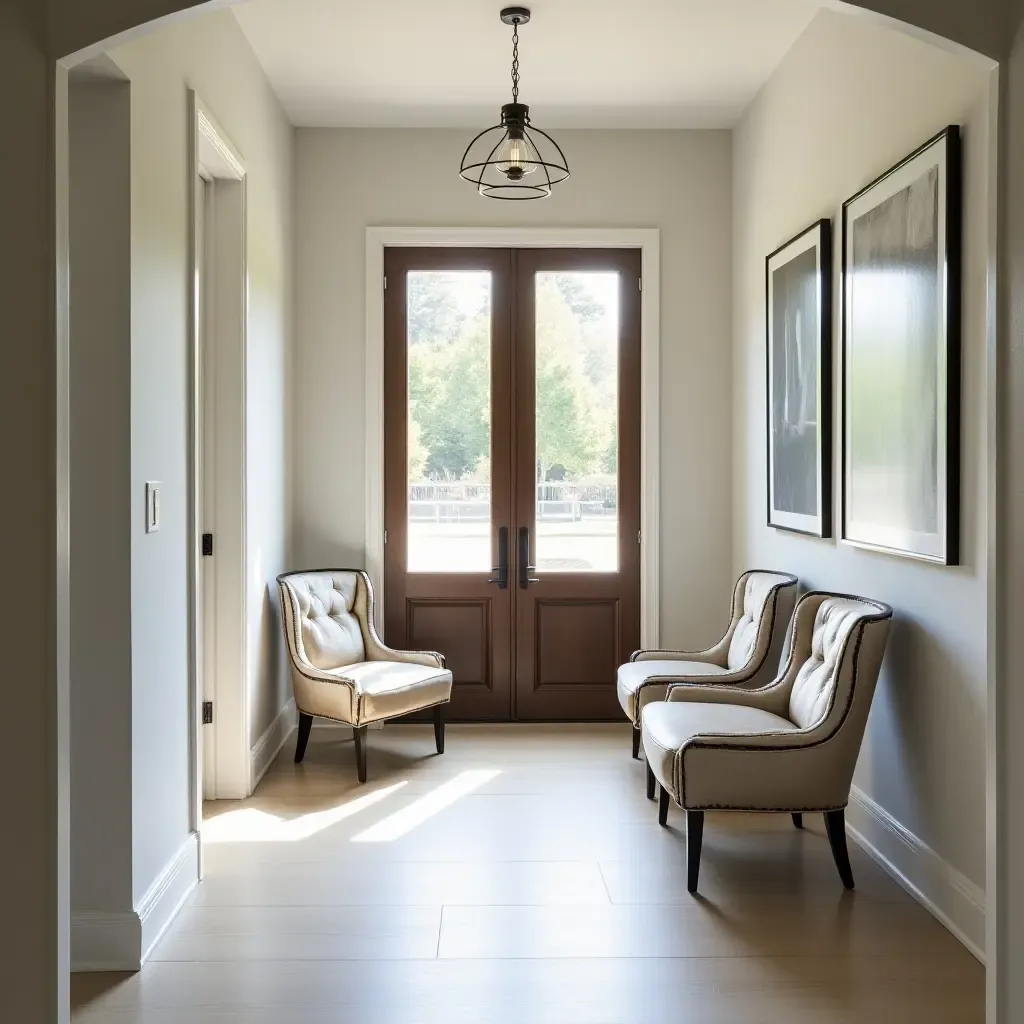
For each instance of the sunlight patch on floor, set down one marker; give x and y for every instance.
(405, 820)
(251, 825)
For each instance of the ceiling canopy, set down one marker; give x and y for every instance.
(592, 63)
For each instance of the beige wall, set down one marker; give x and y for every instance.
(678, 182)
(34, 708)
(212, 56)
(101, 565)
(848, 101)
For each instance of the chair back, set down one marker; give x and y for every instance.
(325, 615)
(762, 604)
(836, 651)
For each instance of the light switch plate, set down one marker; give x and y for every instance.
(152, 506)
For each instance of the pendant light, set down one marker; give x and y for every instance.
(514, 159)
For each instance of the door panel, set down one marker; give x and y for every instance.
(576, 642)
(461, 628)
(577, 478)
(447, 479)
(512, 473)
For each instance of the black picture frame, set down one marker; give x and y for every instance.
(798, 382)
(901, 339)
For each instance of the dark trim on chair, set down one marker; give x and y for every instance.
(636, 743)
(835, 827)
(663, 799)
(798, 819)
(359, 736)
(439, 727)
(305, 724)
(694, 841)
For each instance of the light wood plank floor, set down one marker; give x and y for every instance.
(522, 877)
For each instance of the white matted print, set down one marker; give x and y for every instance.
(901, 357)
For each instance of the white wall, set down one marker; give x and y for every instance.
(1006, 701)
(678, 182)
(212, 56)
(848, 101)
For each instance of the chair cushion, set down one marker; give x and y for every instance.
(385, 689)
(634, 674)
(748, 629)
(331, 633)
(667, 727)
(815, 681)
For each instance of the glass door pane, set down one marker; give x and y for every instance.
(577, 429)
(449, 425)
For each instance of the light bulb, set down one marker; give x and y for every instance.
(516, 157)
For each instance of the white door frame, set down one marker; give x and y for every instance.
(218, 631)
(647, 240)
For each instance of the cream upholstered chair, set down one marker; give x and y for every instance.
(789, 746)
(748, 655)
(340, 668)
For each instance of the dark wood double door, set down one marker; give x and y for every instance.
(512, 473)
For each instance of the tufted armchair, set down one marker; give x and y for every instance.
(748, 655)
(789, 746)
(340, 668)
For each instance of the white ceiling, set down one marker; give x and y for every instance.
(584, 63)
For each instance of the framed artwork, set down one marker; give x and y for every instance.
(901, 357)
(799, 332)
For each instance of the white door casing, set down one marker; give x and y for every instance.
(218, 629)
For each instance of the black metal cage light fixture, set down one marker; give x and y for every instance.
(514, 159)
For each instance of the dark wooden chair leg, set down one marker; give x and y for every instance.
(651, 783)
(663, 799)
(835, 827)
(798, 820)
(694, 839)
(305, 724)
(359, 735)
(439, 728)
(636, 743)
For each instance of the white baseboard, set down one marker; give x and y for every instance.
(947, 893)
(123, 942)
(165, 897)
(105, 942)
(269, 745)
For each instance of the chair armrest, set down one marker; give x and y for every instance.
(430, 659)
(325, 694)
(771, 698)
(377, 650)
(318, 675)
(766, 771)
(712, 656)
(724, 680)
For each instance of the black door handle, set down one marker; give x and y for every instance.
(502, 567)
(525, 579)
